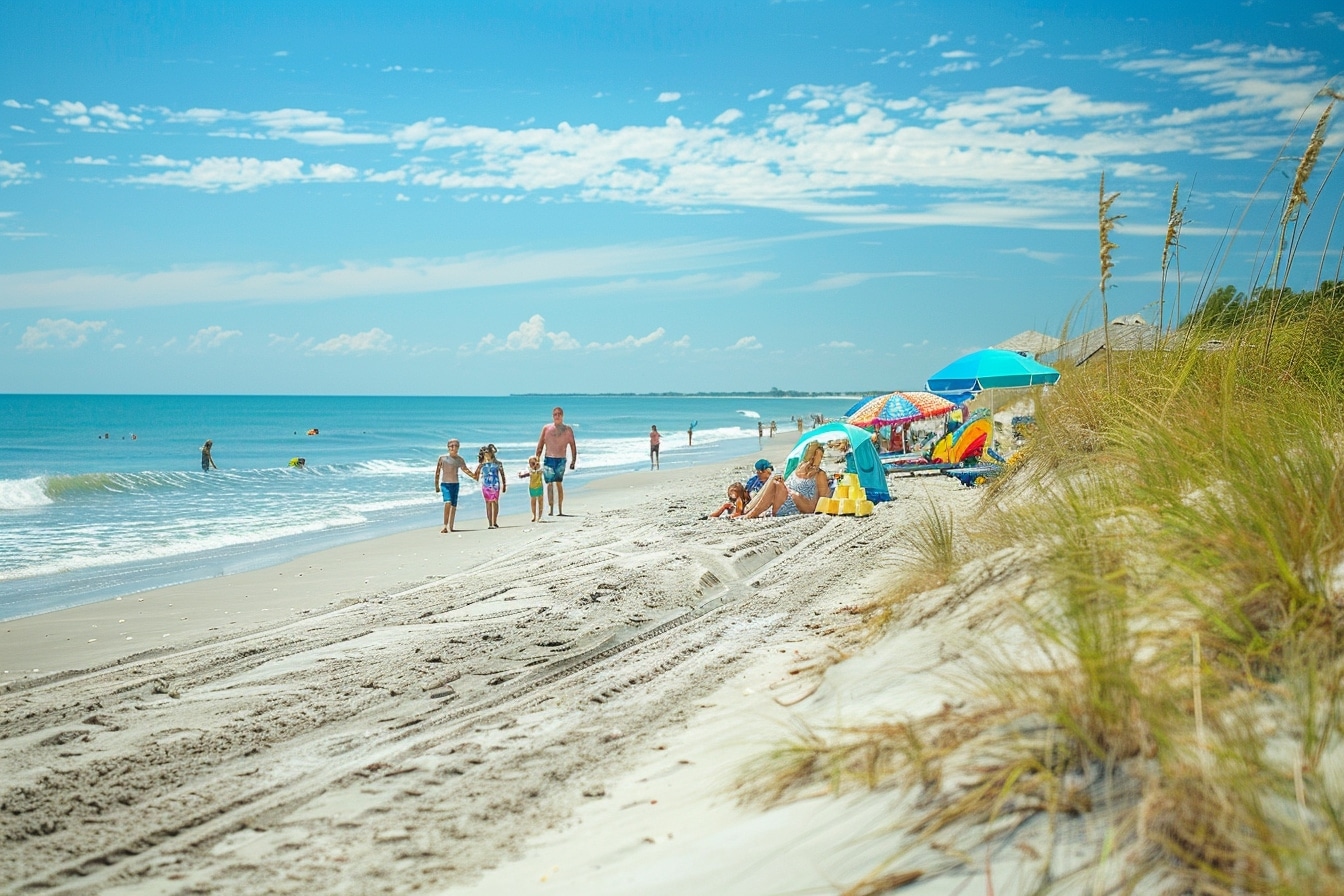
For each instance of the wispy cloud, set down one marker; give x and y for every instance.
(299, 125)
(1035, 254)
(231, 282)
(668, 96)
(49, 333)
(746, 343)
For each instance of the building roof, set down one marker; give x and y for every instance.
(1030, 342)
(1127, 333)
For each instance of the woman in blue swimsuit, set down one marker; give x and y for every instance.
(798, 493)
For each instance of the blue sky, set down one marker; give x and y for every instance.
(483, 198)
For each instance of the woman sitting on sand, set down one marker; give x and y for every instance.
(798, 493)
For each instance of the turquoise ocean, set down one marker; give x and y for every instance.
(103, 495)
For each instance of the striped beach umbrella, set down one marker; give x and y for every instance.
(897, 408)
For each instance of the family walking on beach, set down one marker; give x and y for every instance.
(546, 467)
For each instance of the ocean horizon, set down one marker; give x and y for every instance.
(103, 495)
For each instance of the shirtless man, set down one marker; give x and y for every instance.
(556, 439)
(446, 481)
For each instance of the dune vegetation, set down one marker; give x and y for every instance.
(1173, 697)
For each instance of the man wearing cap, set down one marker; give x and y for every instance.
(763, 470)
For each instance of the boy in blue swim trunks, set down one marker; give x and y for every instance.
(446, 481)
(557, 439)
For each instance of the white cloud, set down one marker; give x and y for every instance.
(402, 197)
(58, 333)
(374, 340)
(668, 96)
(280, 53)
(21, 129)
(15, 104)
(759, 95)
(162, 161)
(967, 66)
(89, 160)
(106, 117)
(837, 345)
(936, 39)
(531, 335)
(1323, 19)
(683, 342)
(234, 174)
(629, 342)
(958, 54)
(728, 116)
(14, 173)
(746, 343)
(211, 337)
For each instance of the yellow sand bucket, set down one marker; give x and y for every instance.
(847, 506)
(852, 480)
(825, 505)
(863, 508)
(841, 492)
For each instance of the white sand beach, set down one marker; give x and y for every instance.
(558, 707)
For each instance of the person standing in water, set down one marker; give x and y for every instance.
(557, 438)
(207, 461)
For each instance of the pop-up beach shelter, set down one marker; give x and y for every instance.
(991, 368)
(862, 458)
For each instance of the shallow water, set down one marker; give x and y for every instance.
(83, 517)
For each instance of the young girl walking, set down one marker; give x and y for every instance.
(490, 474)
(535, 485)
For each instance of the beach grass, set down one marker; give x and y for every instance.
(1178, 668)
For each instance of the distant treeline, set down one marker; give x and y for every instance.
(1228, 306)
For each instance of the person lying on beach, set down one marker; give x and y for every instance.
(798, 493)
(736, 504)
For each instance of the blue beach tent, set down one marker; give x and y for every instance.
(862, 457)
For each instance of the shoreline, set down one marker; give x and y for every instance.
(161, 619)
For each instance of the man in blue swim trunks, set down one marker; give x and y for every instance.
(446, 481)
(557, 438)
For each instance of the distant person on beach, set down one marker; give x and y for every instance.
(797, 494)
(773, 427)
(536, 485)
(760, 430)
(758, 479)
(800, 426)
(654, 441)
(489, 473)
(557, 438)
(207, 461)
(735, 505)
(690, 433)
(447, 483)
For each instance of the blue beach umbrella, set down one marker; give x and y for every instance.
(991, 368)
(858, 404)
